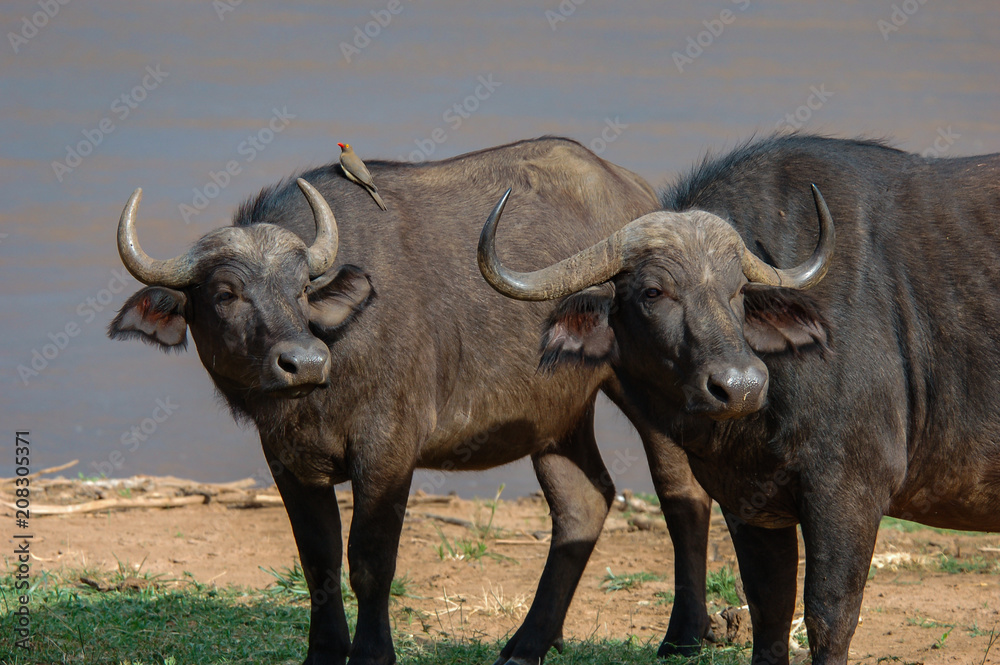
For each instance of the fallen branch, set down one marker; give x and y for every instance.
(39, 474)
(249, 501)
(447, 520)
(112, 504)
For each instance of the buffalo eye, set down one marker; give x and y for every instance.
(652, 293)
(224, 297)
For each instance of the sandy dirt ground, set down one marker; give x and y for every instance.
(913, 611)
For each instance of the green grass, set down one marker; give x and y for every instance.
(928, 623)
(975, 564)
(195, 623)
(721, 586)
(477, 547)
(292, 581)
(70, 624)
(612, 582)
(909, 527)
(664, 597)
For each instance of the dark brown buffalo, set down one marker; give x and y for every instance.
(874, 393)
(373, 347)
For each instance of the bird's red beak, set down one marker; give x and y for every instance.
(341, 145)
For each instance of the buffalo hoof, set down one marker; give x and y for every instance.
(684, 646)
(505, 659)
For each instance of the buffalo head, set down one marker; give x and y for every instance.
(252, 296)
(678, 301)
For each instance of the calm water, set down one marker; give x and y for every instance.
(99, 100)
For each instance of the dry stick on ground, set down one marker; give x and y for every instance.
(244, 500)
(38, 474)
(112, 504)
(993, 638)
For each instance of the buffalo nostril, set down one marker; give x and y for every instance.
(287, 362)
(718, 392)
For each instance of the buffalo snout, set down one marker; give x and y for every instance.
(725, 391)
(297, 367)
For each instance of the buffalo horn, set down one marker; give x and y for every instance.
(323, 251)
(807, 274)
(175, 273)
(591, 266)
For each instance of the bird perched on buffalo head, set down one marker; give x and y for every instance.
(357, 172)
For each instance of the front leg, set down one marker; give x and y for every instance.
(687, 509)
(379, 507)
(315, 518)
(579, 492)
(839, 529)
(769, 563)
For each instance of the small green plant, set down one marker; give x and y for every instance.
(612, 582)
(664, 597)
(721, 585)
(928, 623)
(940, 642)
(975, 631)
(400, 587)
(487, 531)
(474, 549)
(976, 564)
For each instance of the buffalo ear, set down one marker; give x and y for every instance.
(578, 331)
(779, 320)
(155, 315)
(343, 296)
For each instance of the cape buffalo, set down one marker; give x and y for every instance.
(363, 344)
(874, 393)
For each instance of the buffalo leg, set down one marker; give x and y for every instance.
(379, 507)
(579, 492)
(840, 540)
(687, 509)
(768, 560)
(315, 520)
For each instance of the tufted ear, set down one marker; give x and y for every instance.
(778, 320)
(578, 330)
(340, 298)
(155, 315)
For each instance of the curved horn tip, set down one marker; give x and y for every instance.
(502, 203)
